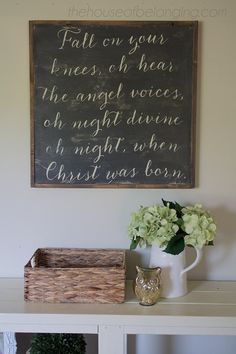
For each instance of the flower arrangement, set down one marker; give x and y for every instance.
(171, 227)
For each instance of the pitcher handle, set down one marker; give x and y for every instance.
(196, 261)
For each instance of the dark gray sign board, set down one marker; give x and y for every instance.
(113, 104)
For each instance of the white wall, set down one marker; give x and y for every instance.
(32, 218)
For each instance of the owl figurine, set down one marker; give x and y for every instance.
(147, 285)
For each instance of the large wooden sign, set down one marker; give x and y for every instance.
(113, 103)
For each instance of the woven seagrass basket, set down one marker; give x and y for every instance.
(75, 275)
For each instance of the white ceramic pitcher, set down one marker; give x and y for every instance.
(173, 273)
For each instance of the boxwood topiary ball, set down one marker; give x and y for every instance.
(62, 343)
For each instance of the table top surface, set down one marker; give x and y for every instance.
(208, 308)
(205, 298)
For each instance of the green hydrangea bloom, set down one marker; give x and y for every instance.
(153, 225)
(198, 225)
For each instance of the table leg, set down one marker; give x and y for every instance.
(111, 339)
(9, 343)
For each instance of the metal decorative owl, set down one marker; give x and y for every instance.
(147, 285)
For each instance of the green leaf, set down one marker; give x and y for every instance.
(134, 243)
(178, 209)
(176, 244)
(171, 204)
(165, 202)
(174, 205)
(180, 223)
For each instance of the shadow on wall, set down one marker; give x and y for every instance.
(138, 257)
(23, 342)
(217, 255)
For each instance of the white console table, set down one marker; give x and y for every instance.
(208, 309)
